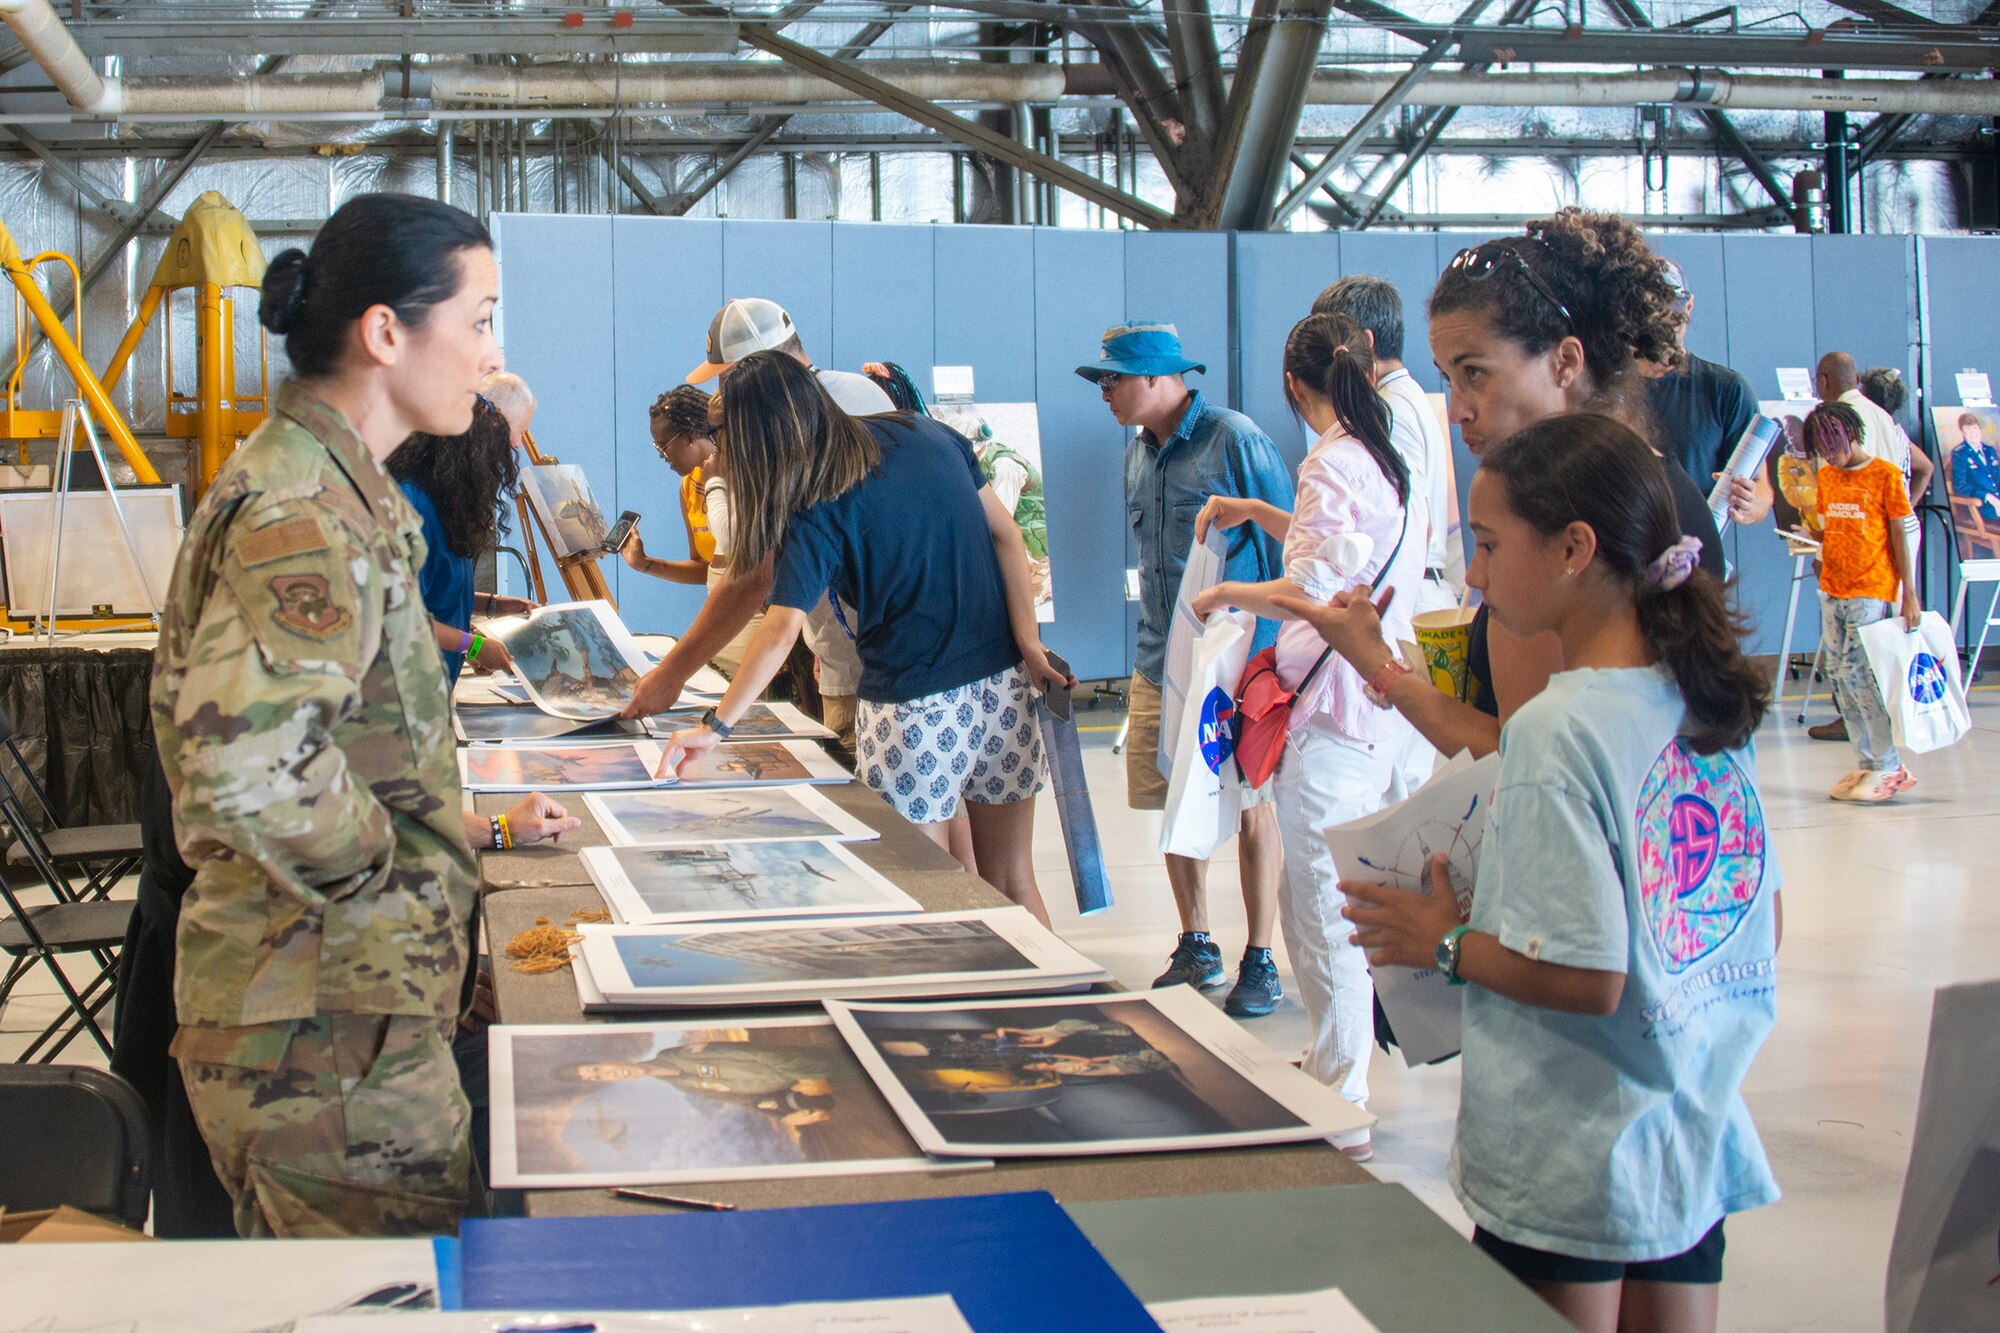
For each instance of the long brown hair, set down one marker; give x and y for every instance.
(1595, 470)
(785, 446)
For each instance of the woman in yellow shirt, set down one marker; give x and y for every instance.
(685, 440)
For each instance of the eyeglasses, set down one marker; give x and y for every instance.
(1482, 261)
(1108, 381)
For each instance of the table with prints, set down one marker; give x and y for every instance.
(551, 882)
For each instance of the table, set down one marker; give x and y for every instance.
(1393, 1257)
(552, 882)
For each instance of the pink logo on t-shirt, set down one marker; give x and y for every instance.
(1701, 852)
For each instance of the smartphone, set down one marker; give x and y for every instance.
(1055, 698)
(620, 531)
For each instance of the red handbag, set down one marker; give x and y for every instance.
(1264, 715)
(1264, 705)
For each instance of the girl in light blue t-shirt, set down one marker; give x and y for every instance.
(1620, 953)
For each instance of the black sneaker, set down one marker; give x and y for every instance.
(1256, 991)
(1196, 963)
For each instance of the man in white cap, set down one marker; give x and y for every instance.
(743, 326)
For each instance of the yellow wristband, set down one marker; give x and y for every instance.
(506, 833)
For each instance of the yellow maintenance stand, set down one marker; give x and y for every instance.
(23, 424)
(210, 254)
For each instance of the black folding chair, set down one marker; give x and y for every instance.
(46, 934)
(104, 853)
(74, 1136)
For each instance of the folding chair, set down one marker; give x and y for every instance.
(45, 934)
(75, 1136)
(104, 853)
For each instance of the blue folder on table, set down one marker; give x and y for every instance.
(1015, 1263)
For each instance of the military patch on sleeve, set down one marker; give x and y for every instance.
(306, 607)
(294, 536)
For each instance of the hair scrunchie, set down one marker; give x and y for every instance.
(1674, 565)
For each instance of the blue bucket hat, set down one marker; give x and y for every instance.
(1140, 349)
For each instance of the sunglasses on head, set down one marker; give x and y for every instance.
(1481, 261)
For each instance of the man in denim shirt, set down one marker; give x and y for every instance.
(1186, 450)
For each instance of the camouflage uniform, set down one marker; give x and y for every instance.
(300, 706)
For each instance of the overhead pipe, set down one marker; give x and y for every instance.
(1685, 87)
(686, 82)
(681, 82)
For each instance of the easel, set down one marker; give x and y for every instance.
(73, 418)
(580, 573)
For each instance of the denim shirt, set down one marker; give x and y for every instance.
(1212, 452)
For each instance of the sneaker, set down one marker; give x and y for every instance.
(1196, 963)
(1848, 784)
(1256, 991)
(1835, 730)
(1361, 1150)
(1878, 786)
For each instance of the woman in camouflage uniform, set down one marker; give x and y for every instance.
(300, 707)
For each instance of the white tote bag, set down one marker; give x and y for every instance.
(1920, 681)
(1944, 1272)
(1204, 790)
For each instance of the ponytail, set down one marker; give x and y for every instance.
(1332, 353)
(1594, 470)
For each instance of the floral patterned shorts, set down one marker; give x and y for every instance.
(980, 741)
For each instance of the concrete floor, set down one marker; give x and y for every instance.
(1882, 906)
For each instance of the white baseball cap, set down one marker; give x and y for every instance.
(743, 326)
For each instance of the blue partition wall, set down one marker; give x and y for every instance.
(601, 315)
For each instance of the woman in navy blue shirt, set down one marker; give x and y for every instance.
(459, 487)
(894, 515)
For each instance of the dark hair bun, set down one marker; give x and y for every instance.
(284, 292)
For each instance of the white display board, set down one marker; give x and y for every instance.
(97, 567)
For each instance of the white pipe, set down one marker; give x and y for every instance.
(746, 81)
(1686, 87)
(37, 27)
(280, 95)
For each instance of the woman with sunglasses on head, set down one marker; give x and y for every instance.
(460, 486)
(1525, 328)
(1350, 529)
(892, 515)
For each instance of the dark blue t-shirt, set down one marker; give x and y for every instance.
(445, 581)
(909, 552)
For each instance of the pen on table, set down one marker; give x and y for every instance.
(648, 1196)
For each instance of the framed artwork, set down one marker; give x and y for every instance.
(601, 1104)
(1156, 1071)
(735, 881)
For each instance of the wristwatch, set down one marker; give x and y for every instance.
(1447, 954)
(716, 725)
(1376, 688)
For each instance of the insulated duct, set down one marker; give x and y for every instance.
(684, 82)
(1685, 87)
(37, 28)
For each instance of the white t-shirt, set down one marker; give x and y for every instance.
(856, 395)
(1426, 451)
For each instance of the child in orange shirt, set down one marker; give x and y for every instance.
(1865, 575)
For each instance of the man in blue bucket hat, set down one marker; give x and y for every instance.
(1186, 450)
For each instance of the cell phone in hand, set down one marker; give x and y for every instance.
(1056, 698)
(620, 531)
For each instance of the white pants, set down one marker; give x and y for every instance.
(1325, 779)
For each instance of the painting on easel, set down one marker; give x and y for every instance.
(568, 509)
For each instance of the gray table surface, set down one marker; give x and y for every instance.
(551, 882)
(1400, 1264)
